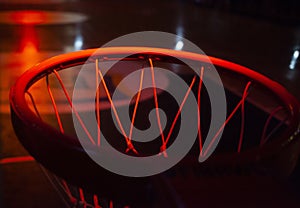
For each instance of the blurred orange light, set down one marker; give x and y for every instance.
(28, 17)
(29, 48)
(29, 41)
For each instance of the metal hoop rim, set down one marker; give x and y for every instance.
(28, 117)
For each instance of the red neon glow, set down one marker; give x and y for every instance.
(264, 137)
(28, 17)
(199, 106)
(96, 201)
(81, 195)
(98, 108)
(228, 119)
(243, 117)
(136, 103)
(128, 140)
(163, 147)
(68, 192)
(178, 113)
(54, 106)
(16, 160)
(71, 105)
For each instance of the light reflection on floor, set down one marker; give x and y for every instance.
(35, 1)
(39, 17)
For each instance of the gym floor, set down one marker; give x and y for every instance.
(263, 36)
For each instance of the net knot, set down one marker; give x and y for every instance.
(130, 147)
(163, 149)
